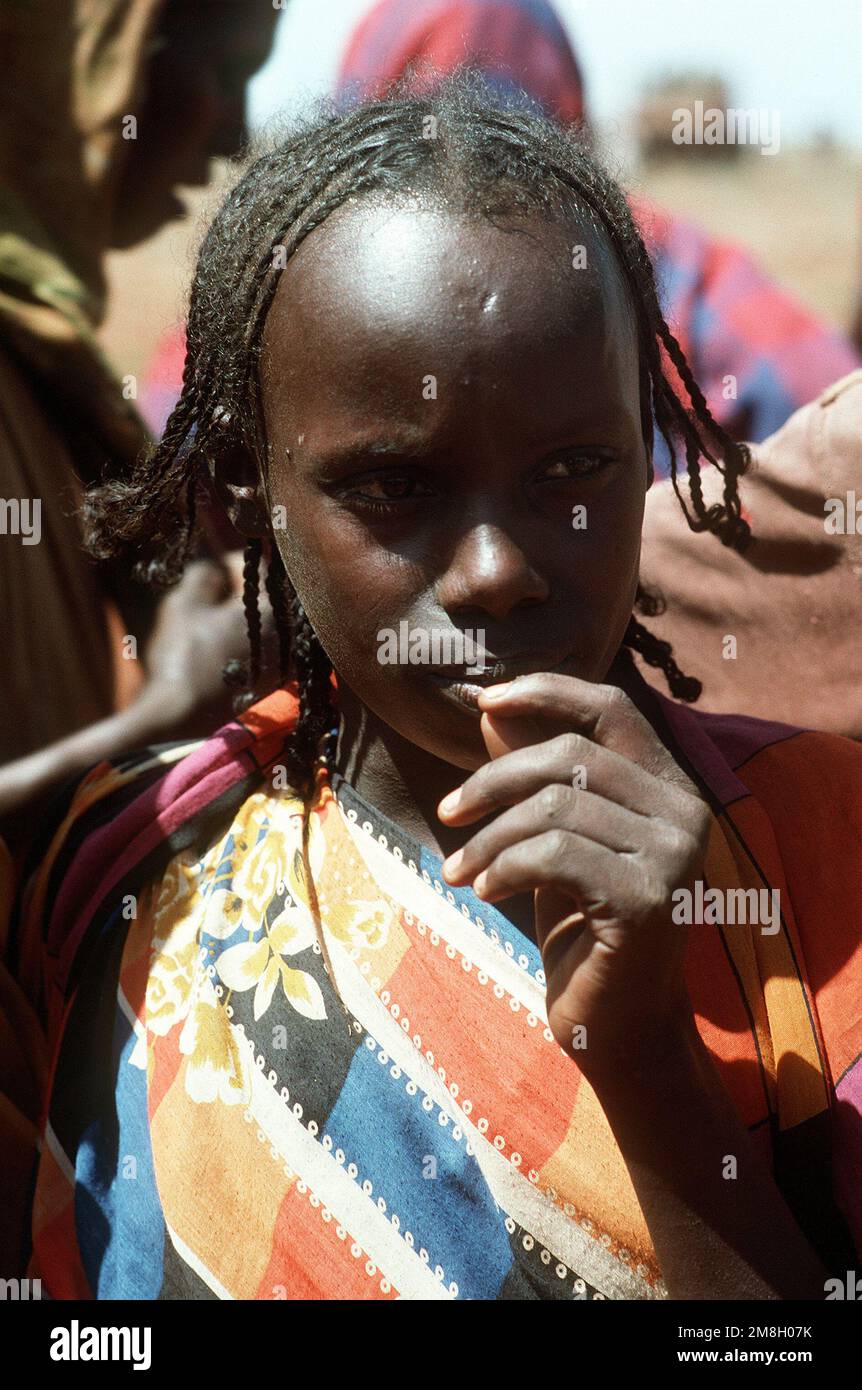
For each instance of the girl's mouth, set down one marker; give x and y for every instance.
(462, 692)
(465, 687)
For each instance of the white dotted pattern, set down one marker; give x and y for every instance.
(466, 1105)
(340, 1158)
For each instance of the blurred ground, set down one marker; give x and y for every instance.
(798, 212)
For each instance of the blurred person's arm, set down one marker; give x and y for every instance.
(200, 626)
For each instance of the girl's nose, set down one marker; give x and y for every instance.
(489, 570)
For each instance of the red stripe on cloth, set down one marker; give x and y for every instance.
(521, 1083)
(310, 1261)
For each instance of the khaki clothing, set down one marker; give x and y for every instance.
(71, 72)
(793, 602)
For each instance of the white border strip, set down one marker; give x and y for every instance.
(190, 1258)
(448, 921)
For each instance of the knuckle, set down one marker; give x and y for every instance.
(698, 823)
(615, 700)
(653, 895)
(556, 846)
(573, 747)
(678, 841)
(681, 843)
(553, 799)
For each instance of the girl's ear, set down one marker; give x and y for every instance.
(236, 479)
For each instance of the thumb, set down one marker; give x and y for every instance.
(505, 735)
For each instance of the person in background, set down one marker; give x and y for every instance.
(104, 111)
(77, 77)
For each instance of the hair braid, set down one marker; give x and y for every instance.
(276, 581)
(251, 604)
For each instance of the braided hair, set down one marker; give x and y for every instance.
(481, 158)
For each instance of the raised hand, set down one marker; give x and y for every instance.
(599, 820)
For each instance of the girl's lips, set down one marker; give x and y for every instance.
(465, 689)
(462, 692)
(498, 671)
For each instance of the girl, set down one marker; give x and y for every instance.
(404, 984)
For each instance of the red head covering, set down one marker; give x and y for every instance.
(518, 45)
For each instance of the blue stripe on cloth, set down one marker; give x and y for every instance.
(424, 1175)
(523, 950)
(118, 1215)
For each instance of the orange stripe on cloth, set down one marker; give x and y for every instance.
(797, 1045)
(55, 1259)
(724, 984)
(522, 1084)
(589, 1172)
(822, 851)
(227, 1182)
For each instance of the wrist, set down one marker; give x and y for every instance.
(649, 1057)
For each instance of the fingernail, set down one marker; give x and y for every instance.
(451, 864)
(493, 692)
(450, 802)
(480, 884)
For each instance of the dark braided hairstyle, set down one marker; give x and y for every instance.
(462, 147)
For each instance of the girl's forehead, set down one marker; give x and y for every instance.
(403, 267)
(438, 324)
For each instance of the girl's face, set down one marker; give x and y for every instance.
(455, 444)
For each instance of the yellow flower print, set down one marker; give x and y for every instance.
(260, 965)
(261, 876)
(256, 873)
(360, 922)
(218, 1067)
(176, 917)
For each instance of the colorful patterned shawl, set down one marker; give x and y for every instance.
(220, 1124)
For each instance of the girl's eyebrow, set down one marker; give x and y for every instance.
(339, 460)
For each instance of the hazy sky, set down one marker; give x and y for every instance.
(802, 58)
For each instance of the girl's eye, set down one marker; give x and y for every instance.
(383, 494)
(575, 466)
